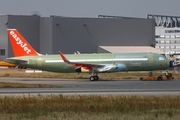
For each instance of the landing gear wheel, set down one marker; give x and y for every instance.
(159, 78)
(94, 78)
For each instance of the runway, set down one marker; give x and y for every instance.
(86, 87)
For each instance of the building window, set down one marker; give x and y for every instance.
(172, 36)
(162, 36)
(2, 52)
(157, 36)
(167, 36)
(177, 31)
(177, 36)
(172, 31)
(173, 41)
(162, 41)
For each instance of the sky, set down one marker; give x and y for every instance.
(91, 8)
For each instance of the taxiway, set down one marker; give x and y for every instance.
(86, 87)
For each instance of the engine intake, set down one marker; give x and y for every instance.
(79, 70)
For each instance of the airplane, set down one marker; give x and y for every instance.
(25, 55)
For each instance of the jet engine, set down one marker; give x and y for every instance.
(79, 70)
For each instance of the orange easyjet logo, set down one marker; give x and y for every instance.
(20, 43)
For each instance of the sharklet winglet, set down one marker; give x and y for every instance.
(63, 57)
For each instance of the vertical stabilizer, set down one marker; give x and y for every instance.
(19, 45)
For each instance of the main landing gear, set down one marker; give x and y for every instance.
(94, 78)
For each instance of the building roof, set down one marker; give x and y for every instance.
(129, 49)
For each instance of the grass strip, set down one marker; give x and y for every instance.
(24, 85)
(57, 105)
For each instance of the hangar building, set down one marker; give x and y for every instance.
(48, 35)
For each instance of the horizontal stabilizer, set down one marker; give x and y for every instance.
(16, 61)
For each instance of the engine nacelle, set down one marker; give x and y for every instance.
(79, 70)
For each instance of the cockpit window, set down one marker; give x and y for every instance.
(162, 58)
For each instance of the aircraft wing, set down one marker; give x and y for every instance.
(95, 67)
(84, 65)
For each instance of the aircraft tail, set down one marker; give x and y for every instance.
(19, 45)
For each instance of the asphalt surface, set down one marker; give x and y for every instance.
(86, 87)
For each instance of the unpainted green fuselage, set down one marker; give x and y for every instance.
(131, 61)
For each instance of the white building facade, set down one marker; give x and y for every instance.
(168, 40)
(167, 33)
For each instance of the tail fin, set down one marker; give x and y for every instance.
(19, 45)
